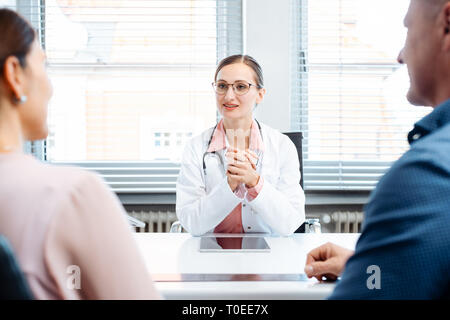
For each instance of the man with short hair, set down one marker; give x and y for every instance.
(404, 248)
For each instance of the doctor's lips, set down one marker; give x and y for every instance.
(230, 106)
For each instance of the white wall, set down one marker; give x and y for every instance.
(266, 38)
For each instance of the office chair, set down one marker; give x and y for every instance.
(310, 225)
(13, 285)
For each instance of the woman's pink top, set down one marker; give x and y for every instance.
(233, 222)
(69, 233)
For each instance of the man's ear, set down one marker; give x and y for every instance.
(446, 23)
(14, 77)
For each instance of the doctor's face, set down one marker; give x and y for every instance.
(235, 105)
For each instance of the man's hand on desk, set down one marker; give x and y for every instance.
(327, 261)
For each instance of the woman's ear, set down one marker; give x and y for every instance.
(260, 97)
(14, 77)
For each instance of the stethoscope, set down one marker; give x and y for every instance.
(215, 153)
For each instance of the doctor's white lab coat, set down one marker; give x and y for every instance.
(203, 201)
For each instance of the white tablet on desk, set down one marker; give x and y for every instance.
(234, 244)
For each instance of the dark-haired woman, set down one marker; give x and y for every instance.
(240, 176)
(68, 231)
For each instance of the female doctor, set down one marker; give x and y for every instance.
(240, 176)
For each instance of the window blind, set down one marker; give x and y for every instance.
(348, 91)
(132, 82)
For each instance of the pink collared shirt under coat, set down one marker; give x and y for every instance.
(233, 222)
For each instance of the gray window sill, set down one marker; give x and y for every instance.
(312, 198)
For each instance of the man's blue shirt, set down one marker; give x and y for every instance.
(406, 228)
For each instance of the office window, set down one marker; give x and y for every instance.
(128, 76)
(121, 68)
(349, 92)
(9, 4)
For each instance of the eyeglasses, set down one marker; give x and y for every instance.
(239, 87)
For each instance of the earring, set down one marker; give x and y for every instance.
(22, 99)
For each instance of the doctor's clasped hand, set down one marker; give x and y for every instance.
(242, 168)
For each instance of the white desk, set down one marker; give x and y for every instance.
(176, 253)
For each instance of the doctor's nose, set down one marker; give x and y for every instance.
(230, 95)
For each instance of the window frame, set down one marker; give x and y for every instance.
(125, 178)
(350, 177)
(167, 196)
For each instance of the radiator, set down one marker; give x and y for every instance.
(155, 221)
(160, 221)
(345, 222)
